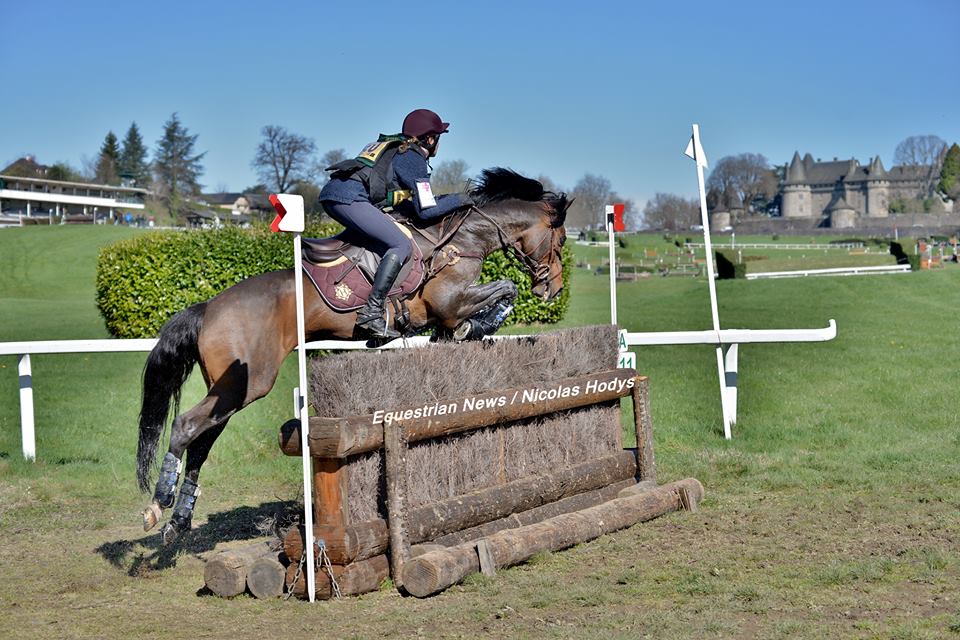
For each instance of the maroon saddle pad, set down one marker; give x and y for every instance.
(342, 271)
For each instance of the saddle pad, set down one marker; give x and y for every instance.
(345, 283)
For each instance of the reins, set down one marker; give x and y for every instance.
(540, 271)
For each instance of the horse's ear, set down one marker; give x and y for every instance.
(560, 207)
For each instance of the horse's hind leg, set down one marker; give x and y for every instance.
(197, 452)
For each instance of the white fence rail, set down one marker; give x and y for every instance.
(778, 245)
(837, 271)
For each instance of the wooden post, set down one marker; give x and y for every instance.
(395, 468)
(330, 493)
(646, 468)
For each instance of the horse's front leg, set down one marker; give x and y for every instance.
(478, 310)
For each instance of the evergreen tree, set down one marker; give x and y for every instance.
(133, 158)
(176, 167)
(107, 171)
(950, 173)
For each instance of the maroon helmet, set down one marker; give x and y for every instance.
(423, 122)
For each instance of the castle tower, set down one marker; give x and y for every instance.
(878, 187)
(796, 202)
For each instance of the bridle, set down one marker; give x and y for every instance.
(538, 266)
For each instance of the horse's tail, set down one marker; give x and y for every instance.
(167, 368)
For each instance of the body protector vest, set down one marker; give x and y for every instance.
(374, 168)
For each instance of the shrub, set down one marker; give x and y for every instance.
(528, 308)
(727, 269)
(143, 281)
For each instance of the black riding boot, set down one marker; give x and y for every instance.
(370, 316)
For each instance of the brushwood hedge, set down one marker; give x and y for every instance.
(143, 281)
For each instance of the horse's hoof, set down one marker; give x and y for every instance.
(168, 534)
(151, 516)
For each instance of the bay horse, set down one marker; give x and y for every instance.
(241, 336)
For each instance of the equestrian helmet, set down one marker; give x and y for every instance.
(423, 122)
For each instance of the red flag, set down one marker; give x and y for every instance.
(275, 201)
(618, 224)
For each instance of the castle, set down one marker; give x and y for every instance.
(841, 191)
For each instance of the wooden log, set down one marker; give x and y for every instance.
(266, 577)
(330, 492)
(353, 579)
(342, 437)
(643, 425)
(435, 571)
(472, 509)
(537, 514)
(395, 469)
(225, 574)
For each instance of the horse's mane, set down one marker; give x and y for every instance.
(498, 184)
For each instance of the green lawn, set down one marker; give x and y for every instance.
(834, 512)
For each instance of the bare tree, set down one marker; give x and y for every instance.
(669, 212)
(592, 194)
(745, 180)
(450, 176)
(283, 158)
(926, 153)
(330, 158)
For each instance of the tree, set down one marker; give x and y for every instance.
(744, 180)
(107, 168)
(176, 166)
(924, 152)
(63, 171)
(949, 184)
(450, 176)
(330, 158)
(669, 212)
(283, 158)
(133, 158)
(592, 193)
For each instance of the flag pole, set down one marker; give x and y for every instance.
(290, 218)
(304, 415)
(695, 151)
(613, 266)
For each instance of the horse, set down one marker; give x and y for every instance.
(240, 337)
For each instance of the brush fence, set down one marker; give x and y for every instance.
(428, 490)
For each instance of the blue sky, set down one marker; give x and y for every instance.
(548, 88)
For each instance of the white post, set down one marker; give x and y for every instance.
(26, 408)
(613, 266)
(701, 161)
(730, 381)
(304, 411)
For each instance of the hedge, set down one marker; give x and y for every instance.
(143, 281)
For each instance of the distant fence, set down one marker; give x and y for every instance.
(839, 271)
(777, 245)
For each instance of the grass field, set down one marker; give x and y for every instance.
(833, 513)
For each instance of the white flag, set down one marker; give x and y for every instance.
(695, 152)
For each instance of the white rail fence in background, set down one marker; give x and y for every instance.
(730, 338)
(836, 271)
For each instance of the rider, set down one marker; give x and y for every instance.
(394, 170)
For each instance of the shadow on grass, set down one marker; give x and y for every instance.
(242, 523)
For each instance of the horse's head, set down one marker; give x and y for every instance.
(541, 248)
(539, 234)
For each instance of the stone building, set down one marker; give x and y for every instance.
(842, 191)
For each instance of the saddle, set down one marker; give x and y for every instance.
(342, 269)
